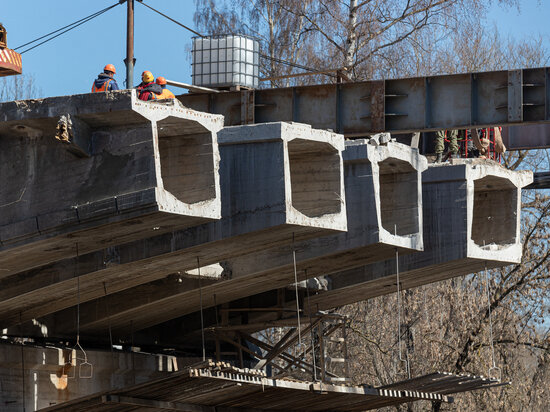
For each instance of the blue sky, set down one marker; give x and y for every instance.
(69, 63)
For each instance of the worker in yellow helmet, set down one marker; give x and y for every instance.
(105, 81)
(148, 89)
(166, 94)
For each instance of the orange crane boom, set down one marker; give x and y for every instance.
(10, 61)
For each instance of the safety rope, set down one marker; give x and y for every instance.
(69, 27)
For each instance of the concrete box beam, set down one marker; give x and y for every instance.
(471, 220)
(383, 201)
(77, 178)
(263, 170)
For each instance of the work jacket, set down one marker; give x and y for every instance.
(166, 94)
(149, 91)
(104, 83)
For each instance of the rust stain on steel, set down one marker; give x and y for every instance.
(377, 106)
(324, 90)
(247, 107)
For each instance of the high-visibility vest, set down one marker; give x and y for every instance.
(166, 94)
(152, 95)
(104, 87)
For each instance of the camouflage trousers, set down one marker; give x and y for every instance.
(452, 135)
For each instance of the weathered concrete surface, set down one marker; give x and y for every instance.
(81, 173)
(264, 170)
(33, 377)
(471, 220)
(383, 201)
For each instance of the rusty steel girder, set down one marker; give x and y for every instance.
(457, 101)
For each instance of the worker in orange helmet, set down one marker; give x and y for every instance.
(166, 94)
(105, 81)
(148, 89)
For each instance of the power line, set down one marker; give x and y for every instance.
(67, 27)
(171, 19)
(298, 66)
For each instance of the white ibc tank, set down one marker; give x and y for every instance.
(224, 61)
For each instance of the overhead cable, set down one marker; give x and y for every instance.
(68, 27)
(264, 56)
(171, 19)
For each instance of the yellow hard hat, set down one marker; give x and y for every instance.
(147, 76)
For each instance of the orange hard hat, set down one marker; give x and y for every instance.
(147, 76)
(109, 68)
(161, 80)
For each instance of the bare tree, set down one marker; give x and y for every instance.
(281, 33)
(366, 38)
(469, 324)
(18, 88)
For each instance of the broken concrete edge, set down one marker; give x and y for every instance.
(361, 150)
(56, 106)
(80, 106)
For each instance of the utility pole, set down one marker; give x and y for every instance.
(129, 60)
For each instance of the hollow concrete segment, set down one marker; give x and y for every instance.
(259, 210)
(371, 172)
(384, 209)
(285, 173)
(471, 220)
(84, 172)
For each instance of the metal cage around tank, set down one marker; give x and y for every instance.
(226, 61)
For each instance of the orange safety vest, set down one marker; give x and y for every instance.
(166, 94)
(103, 88)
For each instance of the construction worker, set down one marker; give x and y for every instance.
(105, 81)
(148, 89)
(452, 135)
(482, 141)
(166, 94)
